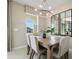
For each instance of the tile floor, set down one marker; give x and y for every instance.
(22, 54)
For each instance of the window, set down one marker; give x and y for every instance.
(55, 24)
(31, 23)
(62, 23)
(65, 18)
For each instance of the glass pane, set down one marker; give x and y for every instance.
(63, 26)
(68, 13)
(68, 19)
(62, 15)
(31, 23)
(55, 24)
(66, 26)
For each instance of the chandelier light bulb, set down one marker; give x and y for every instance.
(35, 9)
(50, 8)
(40, 6)
(40, 13)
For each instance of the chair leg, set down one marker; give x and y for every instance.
(28, 48)
(66, 55)
(39, 56)
(31, 54)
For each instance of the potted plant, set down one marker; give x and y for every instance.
(47, 31)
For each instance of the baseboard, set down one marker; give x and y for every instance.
(19, 47)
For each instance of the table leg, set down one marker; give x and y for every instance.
(52, 52)
(48, 53)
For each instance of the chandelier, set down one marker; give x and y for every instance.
(45, 11)
(40, 11)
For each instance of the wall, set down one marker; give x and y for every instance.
(18, 25)
(70, 44)
(70, 48)
(44, 22)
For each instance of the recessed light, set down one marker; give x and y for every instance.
(40, 6)
(47, 14)
(35, 9)
(40, 13)
(50, 8)
(51, 11)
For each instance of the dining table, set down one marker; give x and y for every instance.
(49, 44)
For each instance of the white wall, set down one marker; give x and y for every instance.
(44, 22)
(18, 25)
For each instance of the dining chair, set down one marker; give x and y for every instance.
(36, 48)
(28, 42)
(63, 48)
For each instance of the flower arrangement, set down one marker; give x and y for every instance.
(47, 30)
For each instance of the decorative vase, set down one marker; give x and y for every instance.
(44, 35)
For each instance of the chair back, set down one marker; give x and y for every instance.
(63, 46)
(28, 39)
(34, 43)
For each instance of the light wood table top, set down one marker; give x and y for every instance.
(47, 42)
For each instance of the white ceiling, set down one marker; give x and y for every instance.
(46, 5)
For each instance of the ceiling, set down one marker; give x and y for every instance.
(49, 3)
